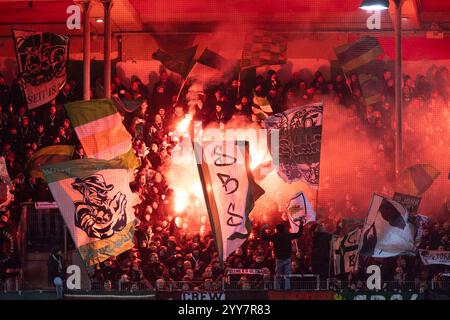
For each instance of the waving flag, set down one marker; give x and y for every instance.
(42, 59)
(49, 155)
(361, 58)
(263, 48)
(386, 232)
(345, 252)
(96, 202)
(180, 62)
(229, 189)
(416, 179)
(99, 128)
(299, 143)
(299, 208)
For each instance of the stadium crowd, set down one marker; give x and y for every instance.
(168, 255)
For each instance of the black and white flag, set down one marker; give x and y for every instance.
(345, 251)
(386, 232)
(42, 58)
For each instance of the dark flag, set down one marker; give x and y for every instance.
(42, 58)
(263, 48)
(299, 143)
(180, 62)
(361, 58)
(9, 256)
(214, 60)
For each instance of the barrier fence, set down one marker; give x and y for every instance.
(42, 228)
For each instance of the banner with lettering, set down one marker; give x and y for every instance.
(411, 203)
(42, 58)
(229, 189)
(300, 138)
(435, 257)
(96, 202)
(232, 271)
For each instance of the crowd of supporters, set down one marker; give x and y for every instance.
(168, 255)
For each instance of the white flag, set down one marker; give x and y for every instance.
(229, 189)
(299, 208)
(386, 232)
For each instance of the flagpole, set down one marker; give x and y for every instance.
(184, 82)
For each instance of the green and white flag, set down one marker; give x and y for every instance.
(101, 132)
(96, 202)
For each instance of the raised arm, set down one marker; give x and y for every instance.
(299, 233)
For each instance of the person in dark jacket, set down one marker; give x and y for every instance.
(56, 271)
(282, 245)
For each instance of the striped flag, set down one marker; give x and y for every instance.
(96, 202)
(263, 48)
(49, 155)
(358, 54)
(99, 128)
(361, 57)
(229, 189)
(416, 179)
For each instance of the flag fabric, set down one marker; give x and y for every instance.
(261, 107)
(214, 60)
(299, 143)
(415, 180)
(4, 175)
(125, 105)
(42, 58)
(262, 170)
(429, 257)
(411, 203)
(49, 155)
(361, 58)
(299, 208)
(386, 232)
(180, 62)
(418, 221)
(101, 132)
(96, 203)
(358, 54)
(345, 252)
(212, 68)
(229, 189)
(263, 48)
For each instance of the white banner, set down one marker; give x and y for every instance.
(435, 257)
(299, 208)
(229, 189)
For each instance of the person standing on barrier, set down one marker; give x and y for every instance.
(282, 245)
(56, 272)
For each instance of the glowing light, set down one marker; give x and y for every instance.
(181, 200)
(183, 125)
(198, 191)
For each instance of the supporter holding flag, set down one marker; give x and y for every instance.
(282, 245)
